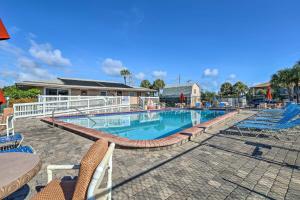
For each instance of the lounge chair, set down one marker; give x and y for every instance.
(92, 169)
(11, 139)
(273, 121)
(269, 112)
(275, 130)
(19, 149)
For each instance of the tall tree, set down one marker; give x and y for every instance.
(208, 96)
(296, 78)
(158, 84)
(125, 73)
(226, 89)
(145, 84)
(284, 79)
(239, 89)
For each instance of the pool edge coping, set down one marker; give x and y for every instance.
(171, 140)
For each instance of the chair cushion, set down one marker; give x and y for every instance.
(56, 190)
(88, 165)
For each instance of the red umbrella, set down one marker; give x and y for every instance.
(181, 98)
(2, 98)
(3, 33)
(269, 94)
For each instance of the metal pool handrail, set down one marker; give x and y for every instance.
(53, 111)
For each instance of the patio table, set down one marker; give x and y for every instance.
(16, 169)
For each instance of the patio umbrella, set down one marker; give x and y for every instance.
(181, 98)
(2, 98)
(3, 33)
(269, 94)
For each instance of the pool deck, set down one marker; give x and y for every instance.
(211, 166)
(163, 143)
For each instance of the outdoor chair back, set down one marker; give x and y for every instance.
(92, 169)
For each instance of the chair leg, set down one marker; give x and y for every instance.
(109, 179)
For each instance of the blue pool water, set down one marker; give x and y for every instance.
(145, 125)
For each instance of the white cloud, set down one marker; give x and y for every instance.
(212, 86)
(31, 70)
(10, 48)
(211, 72)
(140, 76)
(28, 70)
(112, 67)
(159, 74)
(48, 55)
(232, 76)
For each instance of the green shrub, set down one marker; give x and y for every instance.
(15, 93)
(22, 100)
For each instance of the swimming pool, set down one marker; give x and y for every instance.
(145, 125)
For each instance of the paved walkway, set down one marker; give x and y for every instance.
(212, 166)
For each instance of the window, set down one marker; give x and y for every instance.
(62, 92)
(132, 94)
(50, 91)
(103, 93)
(119, 93)
(53, 91)
(195, 91)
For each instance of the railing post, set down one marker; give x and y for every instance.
(68, 104)
(44, 106)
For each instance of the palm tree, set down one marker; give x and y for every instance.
(239, 89)
(145, 84)
(208, 96)
(226, 89)
(284, 79)
(296, 78)
(125, 73)
(158, 84)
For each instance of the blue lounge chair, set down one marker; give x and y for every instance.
(16, 138)
(207, 104)
(287, 108)
(276, 130)
(11, 139)
(269, 120)
(20, 149)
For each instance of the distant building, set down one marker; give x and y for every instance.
(258, 87)
(82, 87)
(263, 87)
(191, 92)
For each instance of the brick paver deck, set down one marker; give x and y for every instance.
(212, 166)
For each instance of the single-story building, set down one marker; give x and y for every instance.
(82, 87)
(259, 90)
(191, 91)
(258, 87)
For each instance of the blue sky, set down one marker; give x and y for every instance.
(208, 42)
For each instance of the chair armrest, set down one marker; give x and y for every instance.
(50, 168)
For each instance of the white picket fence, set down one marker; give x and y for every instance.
(46, 107)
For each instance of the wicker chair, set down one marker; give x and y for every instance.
(92, 169)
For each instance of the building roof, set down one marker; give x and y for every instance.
(176, 90)
(83, 84)
(262, 85)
